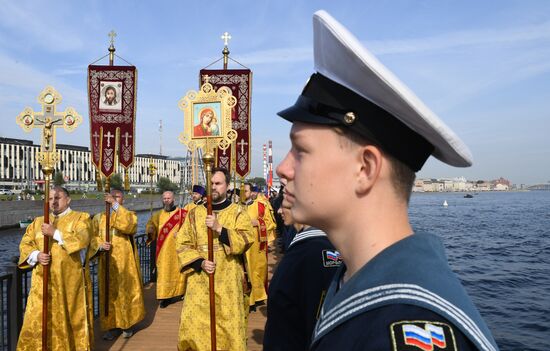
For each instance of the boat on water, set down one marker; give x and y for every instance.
(25, 222)
(468, 196)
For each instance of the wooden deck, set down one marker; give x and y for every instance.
(159, 330)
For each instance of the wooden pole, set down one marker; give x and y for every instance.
(107, 239)
(46, 269)
(208, 160)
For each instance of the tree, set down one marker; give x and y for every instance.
(58, 179)
(116, 182)
(259, 181)
(165, 184)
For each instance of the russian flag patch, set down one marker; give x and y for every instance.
(331, 258)
(422, 335)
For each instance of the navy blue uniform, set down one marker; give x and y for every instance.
(405, 298)
(296, 290)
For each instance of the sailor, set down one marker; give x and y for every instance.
(356, 124)
(298, 287)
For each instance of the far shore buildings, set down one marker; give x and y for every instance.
(460, 184)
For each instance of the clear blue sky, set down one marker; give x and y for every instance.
(482, 66)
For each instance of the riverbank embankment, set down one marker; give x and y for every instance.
(11, 212)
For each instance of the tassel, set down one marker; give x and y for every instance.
(126, 180)
(98, 181)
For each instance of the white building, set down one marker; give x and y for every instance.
(19, 168)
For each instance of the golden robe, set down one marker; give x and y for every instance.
(271, 233)
(170, 281)
(256, 256)
(70, 313)
(192, 245)
(126, 306)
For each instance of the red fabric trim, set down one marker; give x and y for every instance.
(175, 219)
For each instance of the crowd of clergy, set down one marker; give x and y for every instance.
(244, 227)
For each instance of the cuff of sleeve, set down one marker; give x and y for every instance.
(33, 258)
(57, 237)
(197, 265)
(224, 237)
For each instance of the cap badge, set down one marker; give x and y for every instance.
(349, 118)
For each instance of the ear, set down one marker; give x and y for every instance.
(371, 164)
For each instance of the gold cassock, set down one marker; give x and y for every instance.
(170, 281)
(256, 255)
(126, 306)
(69, 290)
(192, 244)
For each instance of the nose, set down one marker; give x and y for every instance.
(285, 168)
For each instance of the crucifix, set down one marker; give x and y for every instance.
(47, 120)
(108, 136)
(126, 136)
(242, 144)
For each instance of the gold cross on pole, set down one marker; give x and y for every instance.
(48, 120)
(112, 35)
(225, 37)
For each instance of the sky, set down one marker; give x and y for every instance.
(482, 66)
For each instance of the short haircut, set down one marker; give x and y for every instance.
(402, 177)
(225, 173)
(59, 188)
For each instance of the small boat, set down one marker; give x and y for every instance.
(25, 223)
(468, 196)
(445, 204)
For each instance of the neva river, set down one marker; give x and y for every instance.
(497, 243)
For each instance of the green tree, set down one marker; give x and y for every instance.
(116, 182)
(58, 179)
(164, 184)
(259, 181)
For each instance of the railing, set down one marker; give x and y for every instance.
(15, 286)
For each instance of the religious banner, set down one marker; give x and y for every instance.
(239, 81)
(112, 103)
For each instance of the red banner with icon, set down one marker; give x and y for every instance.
(112, 105)
(240, 83)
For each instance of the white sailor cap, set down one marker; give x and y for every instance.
(354, 90)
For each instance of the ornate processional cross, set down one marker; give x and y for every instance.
(48, 119)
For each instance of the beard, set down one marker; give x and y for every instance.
(168, 207)
(217, 197)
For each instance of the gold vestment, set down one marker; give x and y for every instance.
(170, 281)
(126, 306)
(192, 245)
(70, 313)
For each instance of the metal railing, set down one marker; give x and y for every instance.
(15, 286)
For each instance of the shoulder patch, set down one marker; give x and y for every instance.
(422, 335)
(331, 258)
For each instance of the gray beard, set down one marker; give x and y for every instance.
(168, 207)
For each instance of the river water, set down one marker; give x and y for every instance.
(497, 243)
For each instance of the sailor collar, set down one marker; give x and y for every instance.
(308, 233)
(396, 276)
